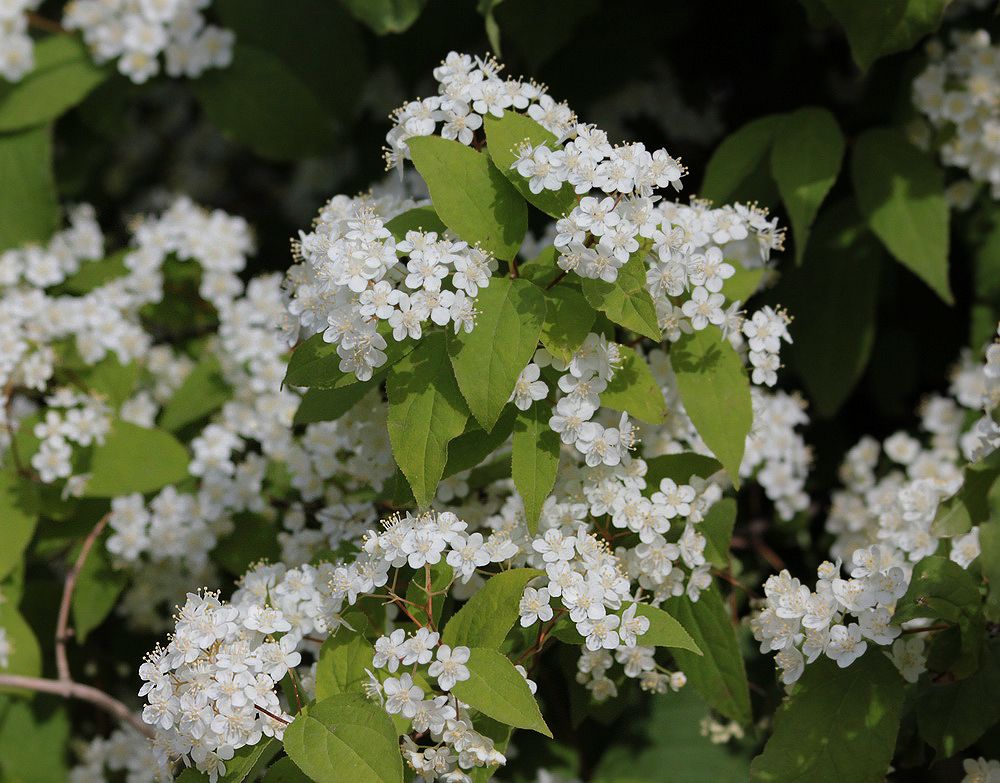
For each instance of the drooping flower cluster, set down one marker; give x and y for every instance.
(356, 276)
(124, 751)
(959, 94)
(137, 32)
(17, 52)
(883, 525)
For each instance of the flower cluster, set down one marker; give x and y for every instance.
(356, 276)
(17, 51)
(71, 418)
(959, 94)
(883, 527)
(137, 32)
(124, 751)
(981, 770)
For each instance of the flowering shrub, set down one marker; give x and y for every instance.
(534, 434)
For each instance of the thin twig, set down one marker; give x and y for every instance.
(62, 625)
(271, 715)
(76, 690)
(557, 278)
(41, 23)
(926, 629)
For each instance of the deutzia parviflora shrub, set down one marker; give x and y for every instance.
(887, 523)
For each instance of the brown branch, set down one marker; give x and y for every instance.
(75, 690)
(41, 23)
(557, 278)
(62, 624)
(271, 715)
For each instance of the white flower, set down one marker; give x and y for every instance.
(401, 696)
(534, 606)
(527, 388)
(450, 667)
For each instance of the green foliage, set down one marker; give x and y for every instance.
(664, 630)
(470, 195)
(113, 380)
(19, 520)
(634, 390)
(715, 391)
(838, 724)
(739, 168)
(135, 459)
(488, 616)
(498, 690)
(343, 659)
(877, 29)
(426, 411)
(504, 137)
(718, 674)
(245, 762)
(568, 320)
(98, 587)
(25, 656)
(805, 160)
(626, 301)
(951, 716)
(834, 333)
(679, 467)
(534, 461)
(63, 75)
(285, 771)
(29, 212)
(476, 444)
(345, 739)
(385, 16)
(900, 192)
(202, 393)
(488, 360)
(33, 738)
(717, 527)
(939, 589)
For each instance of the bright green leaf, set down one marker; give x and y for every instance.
(343, 659)
(715, 390)
(805, 160)
(664, 630)
(717, 527)
(19, 520)
(838, 725)
(488, 616)
(426, 411)
(504, 137)
(535, 460)
(416, 219)
(900, 191)
(634, 390)
(203, 392)
(498, 690)
(568, 318)
(135, 459)
(470, 196)
(939, 589)
(28, 212)
(345, 739)
(98, 587)
(626, 301)
(489, 359)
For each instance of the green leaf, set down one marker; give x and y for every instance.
(971, 504)
(488, 616)
(635, 390)
(805, 160)
(534, 461)
(717, 527)
(489, 359)
(25, 656)
(664, 630)
(497, 690)
(626, 301)
(19, 520)
(470, 196)
(135, 459)
(835, 332)
(838, 725)
(330, 404)
(426, 411)
(476, 444)
(285, 771)
(386, 16)
(744, 282)
(254, 537)
(416, 219)
(113, 379)
(939, 589)
(203, 392)
(29, 212)
(98, 587)
(951, 716)
(718, 674)
(900, 192)
(679, 467)
(989, 561)
(63, 75)
(93, 274)
(33, 739)
(504, 137)
(877, 29)
(568, 318)
(738, 169)
(343, 659)
(715, 390)
(345, 739)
